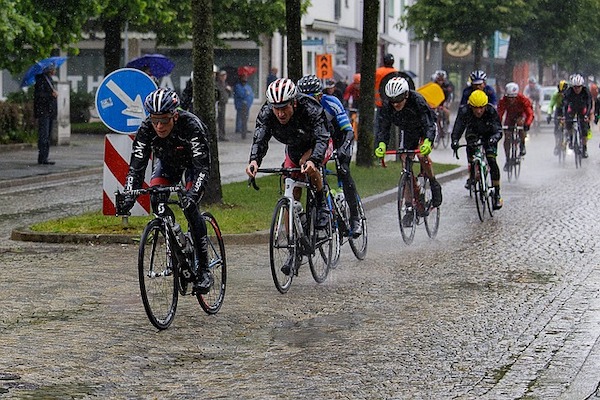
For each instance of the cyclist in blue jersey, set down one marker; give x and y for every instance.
(343, 137)
(477, 81)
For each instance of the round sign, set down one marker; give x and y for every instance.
(120, 99)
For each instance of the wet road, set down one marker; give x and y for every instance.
(505, 309)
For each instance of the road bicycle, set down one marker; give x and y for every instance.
(561, 140)
(443, 133)
(415, 199)
(513, 162)
(294, 234)
(575, 141)
(341, 218)
(480, 185)
(166, 258)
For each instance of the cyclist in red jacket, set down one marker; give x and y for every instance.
(519, 111)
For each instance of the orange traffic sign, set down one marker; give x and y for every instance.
(324, 66)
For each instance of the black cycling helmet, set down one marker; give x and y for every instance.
(161, 101)
(388, 60)
(310, 84)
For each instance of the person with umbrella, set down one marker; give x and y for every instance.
(45, 109)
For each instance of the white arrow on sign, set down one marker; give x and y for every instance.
(134, 108)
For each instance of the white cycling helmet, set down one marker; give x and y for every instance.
(281, 92)
(396, 89)
(577, 80)
(511, 89)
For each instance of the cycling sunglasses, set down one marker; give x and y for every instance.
(162, 120)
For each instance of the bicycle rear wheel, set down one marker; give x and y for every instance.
(212, 301)
(432, 214)
(321, 247)
(407, 214)
(359, 244)
(157, 275)
(445, 134)
(282, 245)
(337, 236)
(577, 148)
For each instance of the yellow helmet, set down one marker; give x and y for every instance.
(478, 98)
(562, 86)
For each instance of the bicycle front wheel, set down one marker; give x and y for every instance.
(407, 213)
(359, 244)
(480, 192)
(577, 148)
(157, 275)
(432, 214)
(282, 246)
(212, 301)
(321, 247)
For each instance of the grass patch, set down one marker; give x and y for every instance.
(244, 210)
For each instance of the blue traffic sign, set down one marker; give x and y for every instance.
(120, 99)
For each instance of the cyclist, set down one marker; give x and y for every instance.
(299, 122)
(555, 109)
(577, 100)
(179, 142)
(352, 93)
(330, 88)
(441, 78)
(518, 111)
(477, 81)
(533, 92)
(409, 110)
(480, 120)
(343, 137)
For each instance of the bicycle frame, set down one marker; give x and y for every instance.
(479, 172)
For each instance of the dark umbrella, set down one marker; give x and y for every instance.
(39, 68)
(159, 64)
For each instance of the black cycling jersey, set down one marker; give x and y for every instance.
(577, 103)
(416, 120)
(307, 129)
(485, 127)
(186, 148)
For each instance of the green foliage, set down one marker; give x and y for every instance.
(80, 103)
(17, 124)
(32, 29)
(245, 210)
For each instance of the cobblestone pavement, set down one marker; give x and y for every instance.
(505, 309)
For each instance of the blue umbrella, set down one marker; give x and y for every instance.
(159, 64)
(40, 67)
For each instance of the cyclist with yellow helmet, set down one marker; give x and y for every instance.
(555, 110)
(479, 120)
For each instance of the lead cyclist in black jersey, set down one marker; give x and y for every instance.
(180, 144)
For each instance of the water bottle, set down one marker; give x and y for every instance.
(179, 235)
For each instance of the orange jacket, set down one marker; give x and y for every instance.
(379, 74)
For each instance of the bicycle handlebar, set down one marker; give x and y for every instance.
(517, 127)
(279, 171)
(474, 144)
(400, 151)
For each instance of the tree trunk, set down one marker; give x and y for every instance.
(477, 53)
(364, 151)
(204, 89)
(112, 44)
(294, 39)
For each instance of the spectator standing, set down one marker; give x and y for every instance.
(224, 92)
(243, 96)
(45, 108)
(272, 75)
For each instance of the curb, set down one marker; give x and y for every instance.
(25, 234)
